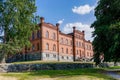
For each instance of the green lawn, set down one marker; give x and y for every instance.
(78, 74)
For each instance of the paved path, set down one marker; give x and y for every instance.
(114, 74)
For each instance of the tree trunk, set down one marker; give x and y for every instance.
(3, 60)
(115, 62)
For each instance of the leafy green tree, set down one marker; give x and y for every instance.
(107, 30)
(16, 25)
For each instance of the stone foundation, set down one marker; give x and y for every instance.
(44, 66)
(65, 58)
(50, 56)
(43, 56)
(24, 57)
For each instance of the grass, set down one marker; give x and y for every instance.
(78, 74)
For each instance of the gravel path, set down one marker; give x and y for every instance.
(114, 74)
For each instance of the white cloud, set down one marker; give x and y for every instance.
(68, 28)
(60, 21)
(85, 9)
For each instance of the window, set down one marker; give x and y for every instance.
(62, 57)
(38, 34)
(62, 50)
(67, 57)
(77, 52)
(79, 37)
(62, 40)
(54, 55)
(90, 47)
(80, 54)
(87, 53)
(28, 49)
(67, 50)
(71, 51)
(47, 34)
(80, 44)
(47, 55)
(25, 48)
(47, 46)
(83, 54)
(33, 37)
(33, 47)
(38, 46)
(66, 41)
(71, 42)
(80, 51)
(54, 47)
(91, 54)
(54, 36)
(77, 43)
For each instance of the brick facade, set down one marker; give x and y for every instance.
(48, 43)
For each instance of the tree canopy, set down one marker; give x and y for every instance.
(107, 31)
(16, 24)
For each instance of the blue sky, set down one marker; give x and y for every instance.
(68, 13)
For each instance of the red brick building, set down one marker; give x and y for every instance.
(48, 43)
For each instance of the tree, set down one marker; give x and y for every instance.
(16, 25)
(107, 31)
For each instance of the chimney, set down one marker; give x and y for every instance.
(88, 40)
(57, 25)
(83, 31)
(74, 28)
(41, 19)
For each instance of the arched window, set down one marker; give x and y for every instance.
(79, 44)
(54, 36)
(71, 42)
(38, 34)
(54, 47)
(33, 37)
(77, 52)
(66, 41)
(47, 34)
(47, 46)
(62, 40)
(82, 44)
(67, 50)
